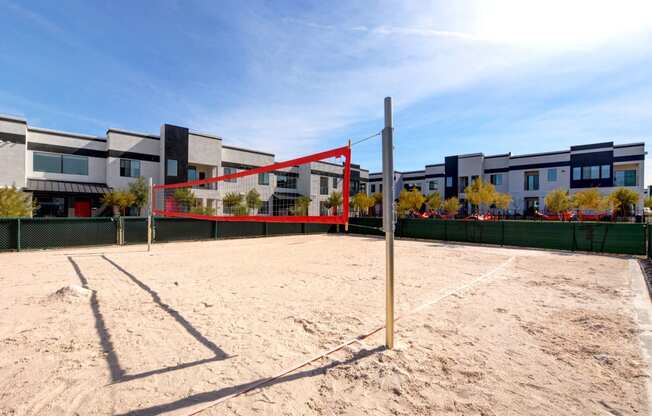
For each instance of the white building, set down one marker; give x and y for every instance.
(68, 172)
(528, 178)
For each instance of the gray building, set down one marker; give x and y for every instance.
(528, 178)
(68, 172)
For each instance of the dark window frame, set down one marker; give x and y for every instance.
(323, 185)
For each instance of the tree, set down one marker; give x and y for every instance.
(233, 203)
(378, 200)
(334, 201)
(433, 201)
(301, 205)
(185, 196)
(558, 201)
(140, 190)
(590, 199)
(119, 200)
(125, 199)
(451, 206)
(502, 201)
(648, 202)
(15, 203)
(202, 210)
(480, 193)
(409, 200)
(253, 200)
(361, 202)
(622, 199)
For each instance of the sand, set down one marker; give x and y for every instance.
(173, 330)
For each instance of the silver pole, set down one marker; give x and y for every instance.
(149, 213)
(388, 221)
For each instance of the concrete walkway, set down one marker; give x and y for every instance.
(643, 310)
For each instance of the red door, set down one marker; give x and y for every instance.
(82, 207)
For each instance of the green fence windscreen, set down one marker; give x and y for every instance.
(240, 229)
(610, 238)
(599, 237)
(8, 234)
(582, 236)
(282, 228)
(135, 230)
(179, 229)
(66, 232)
(366, 225)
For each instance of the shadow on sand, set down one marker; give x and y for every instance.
(118, 374)
(210, 396)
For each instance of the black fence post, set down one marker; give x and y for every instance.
(215, 230)
(18, 234)
(502, 229)
(574, 243)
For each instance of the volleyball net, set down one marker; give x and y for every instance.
(309, 189)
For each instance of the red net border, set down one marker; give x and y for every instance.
(344, 151)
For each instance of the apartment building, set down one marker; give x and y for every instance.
(528, 178)
(69, 172)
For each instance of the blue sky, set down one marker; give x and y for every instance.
(295, 77)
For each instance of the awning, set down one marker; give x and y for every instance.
(39, 185)
(286, 195)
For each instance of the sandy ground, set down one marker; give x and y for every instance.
(172, 330)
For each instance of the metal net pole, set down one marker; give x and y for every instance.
(388, 220)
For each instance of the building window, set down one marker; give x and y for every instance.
(264, 208)
(373, 188)
(552, 175)
(473, 178)
(335, 183)
(463, 182)
(230, 171)
(449, 182)
(591, 172)
(380, 188)
(496, 179)
(263, 178)
(74, 165)
(625, 178)
(172, 167)
(532, 181)
(47, 162)
(129, 168)
(192, 173)
(323, 185)
(605, 171)
(286, 180)
(53, 163)
(432, 186)
(363, 187)
(577, 173)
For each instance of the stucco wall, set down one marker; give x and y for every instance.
(12, 154)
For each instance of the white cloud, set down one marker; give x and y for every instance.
(314, 75)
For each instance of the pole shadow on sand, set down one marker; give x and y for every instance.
(118, 374)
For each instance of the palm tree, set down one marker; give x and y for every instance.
(233, 203)
(301, 205)
(253, 200)
(334, 201)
